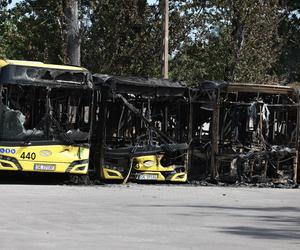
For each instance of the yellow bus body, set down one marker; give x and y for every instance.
(147, 168)
(45, 158)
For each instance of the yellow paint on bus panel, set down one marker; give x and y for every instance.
(45, 158)
(110, 174)
(148, 165)
(141, 163)
(37, 64)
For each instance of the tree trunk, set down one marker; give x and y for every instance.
(238, 36)
(73, 37)
(165, 54)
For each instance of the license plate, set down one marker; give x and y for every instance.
(44, 167)
(147, 177)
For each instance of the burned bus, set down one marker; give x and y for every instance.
(140, 129)
(44, 117)
(245, 133)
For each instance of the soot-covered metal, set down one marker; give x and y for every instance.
(139, 117)
(245, 133)
(40, 76)
(218, 131)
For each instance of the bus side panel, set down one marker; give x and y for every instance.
(45, 158)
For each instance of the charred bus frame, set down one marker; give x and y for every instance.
(245, 132)
(142, 120)
(45, 117)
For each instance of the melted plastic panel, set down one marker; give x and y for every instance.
(12, 127)
(23, 75)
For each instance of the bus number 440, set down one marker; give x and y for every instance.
(28, 156)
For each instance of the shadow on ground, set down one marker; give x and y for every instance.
(24, 178)
(264, 233)
(272, 222)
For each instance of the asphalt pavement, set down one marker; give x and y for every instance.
(148, 217)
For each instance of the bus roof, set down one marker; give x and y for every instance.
(33, 73)
(39, 65)
(140, 86)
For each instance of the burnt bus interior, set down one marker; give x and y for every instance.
(202, 107)
(41, 104)
(139, 117)
(245, 133)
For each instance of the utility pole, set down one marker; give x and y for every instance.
(165, 54)
(73, 38)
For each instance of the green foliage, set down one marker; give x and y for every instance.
(287, 67)
(260, 48)
(233, 40)
(241, 40)
(123, 38)
(4, 29)
(34, 31)
(205, 53)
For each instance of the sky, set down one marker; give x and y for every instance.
(15, 1)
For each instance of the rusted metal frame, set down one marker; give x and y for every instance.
(210, 96)
(149, 124)
(271, 126)
(102, 129)
(35, 107)
(214, 163)
(259, 88)
(1, 97)
(296, 168)
(286, 123)
(270, 105)
(189, 154)
(98, 138)
(178, 122)
(262, 143)
(149, 117)
(79, 114)
(195, 95)
(120, 120)
(200, 133)
(223, 127)
(93, 137)
(203, 102)
(90, 111)
(1, 114)
(165, 118)
(275, 120)
(215, 137)
(48, 122)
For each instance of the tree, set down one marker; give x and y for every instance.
(123, 38)
(230, 40)
(287, 67)
(255, 40)
(72, 32)
(36, 31)
(4, 29)
(235, 40)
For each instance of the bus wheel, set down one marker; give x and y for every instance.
(79, 179)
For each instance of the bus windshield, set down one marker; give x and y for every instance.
(51, 105)
(29, 118)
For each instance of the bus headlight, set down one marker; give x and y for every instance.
(148, 163)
